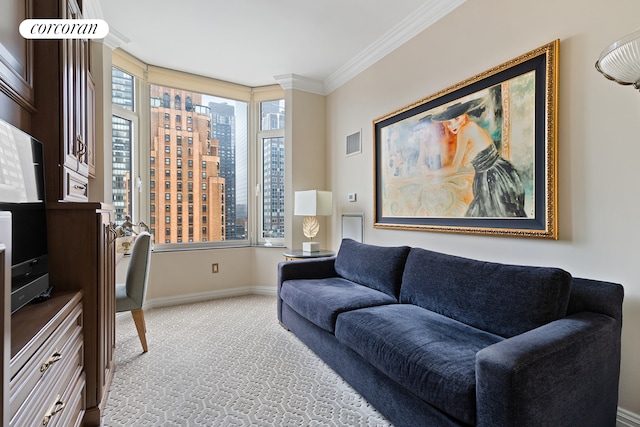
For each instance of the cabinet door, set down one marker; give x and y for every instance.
(75, 54)
(90, 130)
(106, 305)
(88, 265)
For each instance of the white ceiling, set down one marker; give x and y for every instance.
(251, 42)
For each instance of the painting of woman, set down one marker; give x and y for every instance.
(497, 188)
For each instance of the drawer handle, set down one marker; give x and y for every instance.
(57, 406)
(79, 187)
(55, 356)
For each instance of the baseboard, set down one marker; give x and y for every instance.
(627, 419)
(209, 295)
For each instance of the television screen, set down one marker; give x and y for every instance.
(22, 193)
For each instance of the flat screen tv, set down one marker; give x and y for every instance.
(22, 193)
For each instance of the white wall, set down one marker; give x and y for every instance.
(181, 277)
(598, 144)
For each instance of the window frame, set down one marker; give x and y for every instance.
(261, 137)
(144, 76)
(133, 117)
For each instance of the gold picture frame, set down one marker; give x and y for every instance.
(478, 157)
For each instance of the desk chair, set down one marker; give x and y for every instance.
(130, 295)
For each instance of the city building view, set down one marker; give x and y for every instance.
(272, 114)
(198, 160)
(122, 139)
(187, 191)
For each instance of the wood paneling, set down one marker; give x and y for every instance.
(16, 54)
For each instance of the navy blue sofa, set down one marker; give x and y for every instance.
(431, 339)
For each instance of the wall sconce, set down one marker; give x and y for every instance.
(620, 62)
(310, 204)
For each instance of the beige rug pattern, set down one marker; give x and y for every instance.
(226, 362)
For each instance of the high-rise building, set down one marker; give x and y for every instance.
(273, 187)
(122, 89)
(187, 190)
(272, 117)
(223, 129)
(122, 96)
(121, 176)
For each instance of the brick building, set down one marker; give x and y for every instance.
(187, 192)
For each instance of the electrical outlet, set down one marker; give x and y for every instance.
(214, 268)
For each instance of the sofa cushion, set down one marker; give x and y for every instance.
(429, 354)
(321, 300)
(499, 298)
(377, 267)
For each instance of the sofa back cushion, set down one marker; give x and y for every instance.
(503, 299)
(377, 267)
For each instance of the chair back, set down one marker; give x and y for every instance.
(138, 270)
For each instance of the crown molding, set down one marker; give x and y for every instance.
(295, 81)
(91, 10)
(115, 39)
(414, 24)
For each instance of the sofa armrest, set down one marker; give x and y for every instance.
(315, 268)
(563, 373)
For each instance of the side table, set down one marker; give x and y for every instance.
(300, 254)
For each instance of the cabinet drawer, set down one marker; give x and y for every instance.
(49, 360)
(47, 400)
(75, 186)
(73, 412)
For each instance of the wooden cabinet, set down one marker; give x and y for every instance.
(5, 322)
(52, 97)
(60, 352)
(82, 257)
(74, 100)
(91, 126)
(64, 118)
(47, 378)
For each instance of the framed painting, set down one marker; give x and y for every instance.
(478, 157)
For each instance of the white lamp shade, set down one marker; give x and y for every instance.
(313, 203)
(621, 61)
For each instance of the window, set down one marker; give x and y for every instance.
(121, 143)
(217, 132)
(123, 122)
(122, 89)
(214, 125)
(271, 140)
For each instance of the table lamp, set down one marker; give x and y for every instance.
(620, 61)
(310, 204)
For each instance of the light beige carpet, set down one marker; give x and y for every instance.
(226, 363)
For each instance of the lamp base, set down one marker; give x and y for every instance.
(310, 247)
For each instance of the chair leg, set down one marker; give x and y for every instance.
(138, 319)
